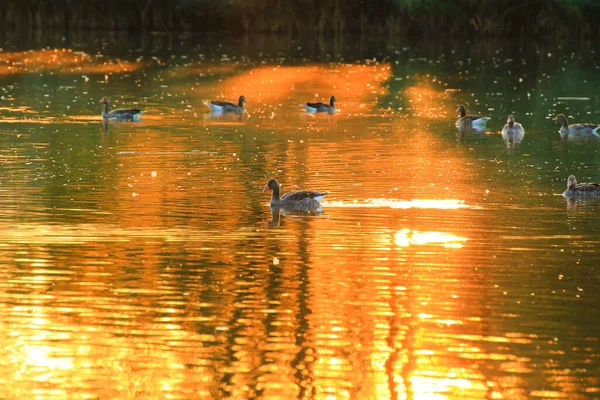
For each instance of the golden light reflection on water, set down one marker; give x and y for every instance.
(356, 87)
(64, 60)
(432, 385)
(427, 101)
(180, 291)
(406, 237)
(37, 120)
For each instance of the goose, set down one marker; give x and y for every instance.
(575, 189)
(320, 107)
(218, 106)
(121, 114)
(302, 199)
(579, 130)
(512, 132)
(465, 120)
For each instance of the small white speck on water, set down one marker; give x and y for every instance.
(275, 261)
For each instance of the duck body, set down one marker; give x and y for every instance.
(513, 132)
(320, 107)
(465, 120)
(575, 189)
(218, 106)
(300, 199)
(576, 130)
(120, 114)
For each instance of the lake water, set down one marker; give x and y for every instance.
(142, 260)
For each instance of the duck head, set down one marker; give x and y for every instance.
(272, 184)
(332, 100)
(561, 119)
(461, 110)
(104, 100)
(571, 181)
(510, 120)
(241, 101)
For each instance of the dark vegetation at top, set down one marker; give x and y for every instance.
(387, 17)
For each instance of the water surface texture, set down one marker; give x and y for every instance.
(142, 260)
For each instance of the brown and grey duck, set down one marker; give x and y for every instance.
(298, 199)
(577, 130)
(465, 120)
(121, 114)
(218, 106)
(320, 107)
(575, 189)
(512, 132)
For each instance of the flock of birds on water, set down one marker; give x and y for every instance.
(310, 199)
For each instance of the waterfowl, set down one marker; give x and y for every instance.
(303, 199)
(465, 120)
(218, 106)
(575, 189)
(512, 132)
(320, 107)
(580, 130)
(121, 114)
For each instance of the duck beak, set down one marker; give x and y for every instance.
(554, 119)
(266, 189)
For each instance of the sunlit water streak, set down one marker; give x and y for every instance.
(393, 203)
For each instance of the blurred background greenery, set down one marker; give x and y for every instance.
(390, 17)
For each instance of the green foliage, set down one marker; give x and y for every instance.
(390, 17)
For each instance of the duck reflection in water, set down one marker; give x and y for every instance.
(278, 211)
(469, 134)
(578, 205)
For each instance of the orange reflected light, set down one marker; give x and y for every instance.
(19, 109)
(427, 102)
(65, 60)
(406, 237)
(357, 85)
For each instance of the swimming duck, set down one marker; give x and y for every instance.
(121, 114)
(218, 106)
(302, 199)
(575, 189)
(320, 107)
(465, 120)
(580, 130)
(513, 131)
